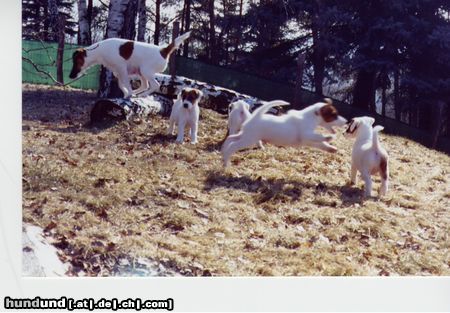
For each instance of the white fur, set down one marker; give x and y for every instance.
(367, 153)
(239, 113)
(144, 62)
(183, 117)
(296, 128)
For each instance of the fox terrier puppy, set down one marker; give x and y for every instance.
(126, 59)
(239, 112)
(368, 157)
(295, 128)
(186, 112)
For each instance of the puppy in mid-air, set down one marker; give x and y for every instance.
(239, 112)
(368, 157)
(185, 113)
(295, 128)
(126, 59)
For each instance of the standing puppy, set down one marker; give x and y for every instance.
(296, 128)
(126, 58)
(239, 112)
(368, 157)
(186, 112)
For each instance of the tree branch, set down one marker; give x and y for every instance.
(41, 71)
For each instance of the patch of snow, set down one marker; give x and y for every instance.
(39, 257)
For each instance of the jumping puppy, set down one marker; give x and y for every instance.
(126, 58)
(239, 112)
(186, 112)
(296, 128)
(368, 157)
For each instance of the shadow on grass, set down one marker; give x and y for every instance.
(267, 189)
(213, 146)
(270, 189)
(159, 138)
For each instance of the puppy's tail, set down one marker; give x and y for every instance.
(180, 39)
(375, 139)
(266, 107)
(167, 51)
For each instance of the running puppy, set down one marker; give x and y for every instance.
(239, 112)
(368, 157)
(296, 128)
(126, 58)
(186, 112)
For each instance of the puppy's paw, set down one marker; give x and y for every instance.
(329, 137)
(261, 146)
(226, 164)
(332, 149)
(179, 141)
(194, 142)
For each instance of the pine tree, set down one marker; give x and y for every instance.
(36, 19)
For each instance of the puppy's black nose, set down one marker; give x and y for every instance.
(185, 105)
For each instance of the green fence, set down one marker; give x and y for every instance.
(43, 55)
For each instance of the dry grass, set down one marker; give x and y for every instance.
(129, 190)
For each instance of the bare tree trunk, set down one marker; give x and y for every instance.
(142, 24)
(318, 57)
(212, 32)
(53, 19)
(89, 12)
(299, 82)
(116, 17)
(238, 31)
(383, 101)
(437, 112)
(157, 22)
(187, 21)
(83, 24)
(319, 63)
(129, 22)
(46, 34)
(396, 95)
(60, 52)
(175, 34)
(364, 90)
(116, 28)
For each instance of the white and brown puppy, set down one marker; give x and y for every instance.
(239, 112)
(126, 59)
(368, 157)
(185, 113)
(295, 128)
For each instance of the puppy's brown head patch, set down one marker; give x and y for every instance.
(126, 49)
(328, 113)
(190, 95)
(78, 61)
(167, 51)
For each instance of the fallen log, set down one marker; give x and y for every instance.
(214, 97)
(120, 108)
(142, 105)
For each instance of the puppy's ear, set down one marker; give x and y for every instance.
(353, 125)
(370, 120)
(183, 94)
(230, 107)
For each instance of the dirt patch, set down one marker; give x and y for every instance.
(131, 191)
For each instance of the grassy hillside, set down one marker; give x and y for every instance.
(131, 191)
